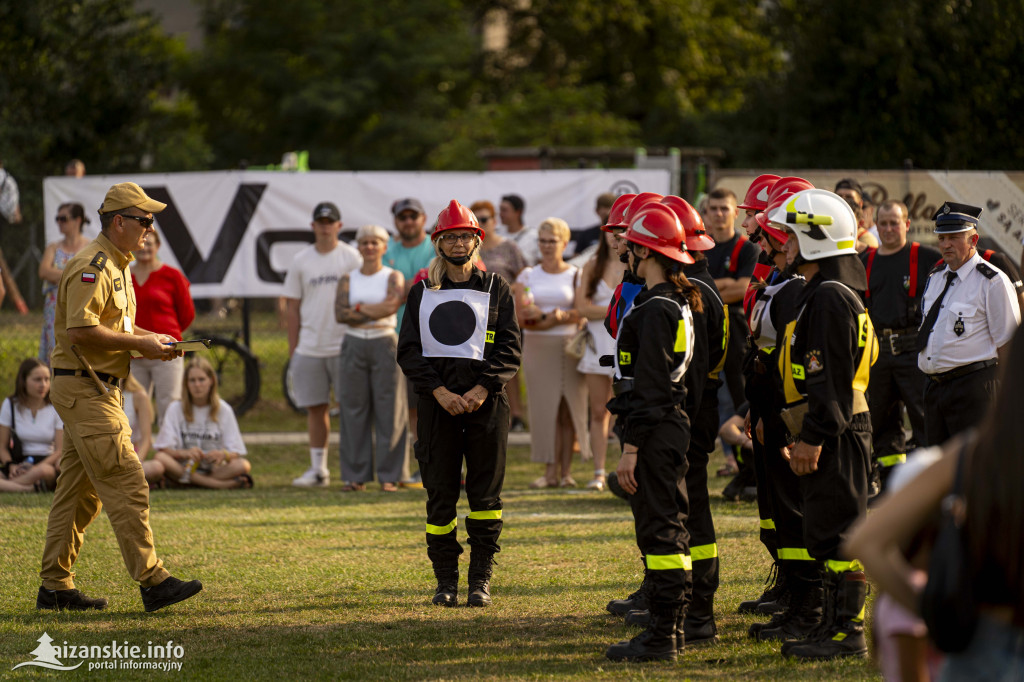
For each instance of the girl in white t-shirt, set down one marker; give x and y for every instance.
(199, 441)
(29, 415)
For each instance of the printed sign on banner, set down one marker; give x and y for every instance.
(1000, 194)
(234, 233)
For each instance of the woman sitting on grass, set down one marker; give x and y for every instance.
(139, 410)
(199, 441)
(28, 418)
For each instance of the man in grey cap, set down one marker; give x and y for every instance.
(409, 254)
(971, 317)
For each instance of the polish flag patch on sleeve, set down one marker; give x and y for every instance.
(89, 277)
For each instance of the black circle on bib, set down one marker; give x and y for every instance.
(452, 323)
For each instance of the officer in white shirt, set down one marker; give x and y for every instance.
(971, 316)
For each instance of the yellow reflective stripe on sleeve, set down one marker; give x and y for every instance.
(680, 346)
(785, 370)
(669, 562)
(486, 514)
(717, 369)
(840, 566)
(892, 460)
(441, 530)
(794, 554)
(869, 342)
(767, 524)
(704, 552)
(489, 337)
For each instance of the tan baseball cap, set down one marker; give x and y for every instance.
(128, 194)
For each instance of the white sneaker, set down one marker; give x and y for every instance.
(312, 479)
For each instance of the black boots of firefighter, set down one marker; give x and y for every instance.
(775, 597)
(656, 643)
(634, 602)
(447, 593)
(842, 630)
(803, 613)
(481, 565)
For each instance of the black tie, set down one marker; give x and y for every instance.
(933, 314)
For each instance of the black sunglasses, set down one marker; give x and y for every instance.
(483, 220)
(144, 222)
(62, 219)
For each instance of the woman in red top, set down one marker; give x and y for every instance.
(164, 305)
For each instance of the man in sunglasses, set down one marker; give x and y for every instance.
(94, 336)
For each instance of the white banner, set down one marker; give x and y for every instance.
(999, 194)
(234, 233)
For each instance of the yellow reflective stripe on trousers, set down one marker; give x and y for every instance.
(767, 524)
(794, 554)
(441, 530)
(669, 562)
(892, 460)
(484, 515)
(840, 566)
(704, 552)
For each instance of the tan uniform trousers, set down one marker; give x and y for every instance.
(99, 468)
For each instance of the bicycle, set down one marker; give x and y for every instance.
(238, 370)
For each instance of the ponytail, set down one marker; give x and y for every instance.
(674, 274)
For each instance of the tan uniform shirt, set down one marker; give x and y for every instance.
(95, 289)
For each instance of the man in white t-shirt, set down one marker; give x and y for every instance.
(314, 337)
(510, 211)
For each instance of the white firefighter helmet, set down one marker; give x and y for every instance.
(824, 224)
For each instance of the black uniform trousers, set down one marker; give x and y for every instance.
(836, 494)
(660, 509)
(958, 404)
(765, 511)
(481, 438)
(895, 381)
(699, 523)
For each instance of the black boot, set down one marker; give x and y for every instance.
(634, 602)
(656, 643)
(843, 634)
(699, 623)
(639, 618)
(775, 596)
(480, 568)
(447, 592)
(801, 616)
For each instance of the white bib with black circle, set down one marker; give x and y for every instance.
(453, 323)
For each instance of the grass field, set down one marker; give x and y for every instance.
(318, 584)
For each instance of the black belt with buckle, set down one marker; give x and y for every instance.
(962, 371)
(109, 378)
(900, 340)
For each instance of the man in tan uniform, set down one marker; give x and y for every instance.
(99, 467)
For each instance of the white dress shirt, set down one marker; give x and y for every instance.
(985, 307)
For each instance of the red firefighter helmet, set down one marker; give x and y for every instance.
(782, 188)
(697, 238)
(657, 227)
(455, 217)
(757, 194)
(639, 201)
(615, 215)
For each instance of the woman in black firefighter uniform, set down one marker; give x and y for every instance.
(653, 350)
(825, 360)
(459, 345)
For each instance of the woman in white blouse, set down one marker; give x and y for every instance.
(374, 399)
(555, 390)
(28, 414)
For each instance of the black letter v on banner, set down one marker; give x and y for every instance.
(177, 235)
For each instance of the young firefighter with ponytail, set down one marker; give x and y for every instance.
(653, 351)
(825, 360)
(459, 346)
